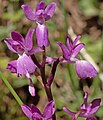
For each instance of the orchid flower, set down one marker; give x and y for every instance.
(70, 54)
(41, 15)
(85, 111)
(24, 48)
(34, 113)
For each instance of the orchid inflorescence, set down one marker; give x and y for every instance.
(26, 64)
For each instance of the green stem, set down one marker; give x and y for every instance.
(65, 16)
(102, 46)
(73, 77)
(96, 83)
(11, 89)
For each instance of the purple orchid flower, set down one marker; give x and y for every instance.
(42, 12)
(34, 113)
(41, 15)
(85, 111)
(70, 54)
(24, 48)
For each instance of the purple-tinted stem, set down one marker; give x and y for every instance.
(44, 80)
(35, 61)
(52, 74)
(47, 88)
(44, 58)
(42, 70)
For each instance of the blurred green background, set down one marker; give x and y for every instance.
(84, 17)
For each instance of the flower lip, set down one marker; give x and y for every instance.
(85, 70)
(42, 35)
(25, 65)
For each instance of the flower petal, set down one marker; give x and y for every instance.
(17, 47)
(77, 49)
(93, 106)
(76, 40)
(66, 52)
(31, 88)
(9, 42)
(50, 9)
(69, 112)
(50, 60)
(69, 43)
(29, 40)
(34, 109)
(27, 111)
(30, 14)
(49, 110)
(36, 116)
(84, 69)
(12, 66)
(17, 37)
(25, 65)
(40, 6)
(42, 35)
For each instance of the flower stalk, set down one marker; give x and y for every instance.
(52, 74)
(46, 86)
